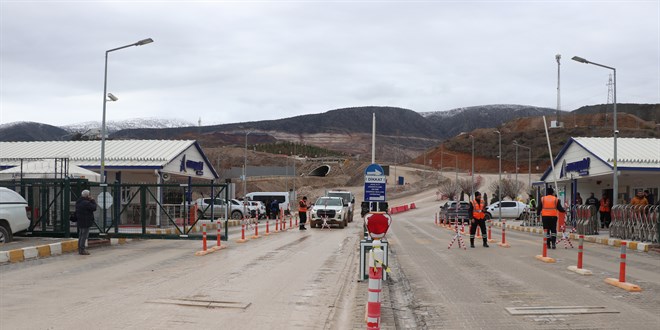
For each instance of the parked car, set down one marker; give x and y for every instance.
(348, 198)
(330, 208)
(510, 210)
(204, 208)
(244, 208)
(453, 210)
(13, 214)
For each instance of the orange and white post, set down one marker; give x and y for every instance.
(579, 268)
(375, 285)
(544, 256)
(621, 282)
(504, 243)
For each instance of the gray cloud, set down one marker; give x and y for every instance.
(233, 61)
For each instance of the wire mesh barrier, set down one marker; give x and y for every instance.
(584, 218)
(530, 219)
(635, 222)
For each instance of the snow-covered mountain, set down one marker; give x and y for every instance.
(114, 126)
(523, 110)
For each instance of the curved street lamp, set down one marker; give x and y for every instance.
(107, 95)
(615, 179)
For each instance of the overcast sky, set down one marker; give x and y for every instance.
(236, 61)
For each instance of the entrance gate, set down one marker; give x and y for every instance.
(124, 210)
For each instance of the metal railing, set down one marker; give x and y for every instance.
(585, 219)
(635, 222)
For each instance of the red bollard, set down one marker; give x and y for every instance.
(436, 219)
(283, 224)
(504, 243)
(296, 221)
(290, 222)
(277, 225)
(490, 226)
(622, 274)
(622, 264)
(545, 243)
(218, 242)
(580, 249)
(256, 230)
(204, 237)
(242, 240)
(267, 231)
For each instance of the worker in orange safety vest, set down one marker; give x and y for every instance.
(477, 211)
(549, 209)
(302, 212)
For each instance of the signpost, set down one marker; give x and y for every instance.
(104, 200)
(374, 184)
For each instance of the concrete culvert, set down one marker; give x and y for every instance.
(320, 171)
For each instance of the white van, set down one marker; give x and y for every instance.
(283, 197)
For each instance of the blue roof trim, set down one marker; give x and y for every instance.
(208, 163)
(563, 151)
(156, 167)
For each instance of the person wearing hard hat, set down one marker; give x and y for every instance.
(477, 212)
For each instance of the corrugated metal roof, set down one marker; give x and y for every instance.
(88, 153)
(631, 152)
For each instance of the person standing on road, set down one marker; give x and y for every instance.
(592, 202)
(302, 212)
(274, 209)
(476, 210)
(85, 207)
(549, 209)
(604, 210)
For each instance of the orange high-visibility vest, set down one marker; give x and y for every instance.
(604, 205)
(549, 206)
(478, 210)
(302, 206)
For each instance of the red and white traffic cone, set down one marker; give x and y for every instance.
(490, 236)
(256, 231)
(203, 237)
(267, 230)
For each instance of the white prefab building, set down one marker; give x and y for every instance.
(585, 164)
(126, 161)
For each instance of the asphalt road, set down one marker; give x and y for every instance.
(470, 289)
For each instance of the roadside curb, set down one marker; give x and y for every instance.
(637, 246)
(53, 249)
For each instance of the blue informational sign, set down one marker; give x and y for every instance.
(374, 183)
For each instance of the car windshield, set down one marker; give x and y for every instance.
(329, 201)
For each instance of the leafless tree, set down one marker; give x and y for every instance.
(510, 188)
(449, 188)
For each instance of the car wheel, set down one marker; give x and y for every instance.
(236, 215)
(488, 216)
(200, 214)
(5, 236)
(341, 225)
(522, 216)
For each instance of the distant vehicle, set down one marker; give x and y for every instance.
(244, 208)
(259, 207)
(349, 200)
(13, 214)
(330, 208)
(283, 197)
(204, 208)
(453, 210)
(510, 210)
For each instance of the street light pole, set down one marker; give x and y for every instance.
(615, 179)
(245, 164)
(105, 99)
(499, 185)
(472, 176)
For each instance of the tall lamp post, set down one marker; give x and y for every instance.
(472, 176)
(105, 99)
(615, 180)
(245, 164)
(499, 185)
(529, 151)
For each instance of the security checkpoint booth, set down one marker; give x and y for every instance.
(150, 188)
(584, 165)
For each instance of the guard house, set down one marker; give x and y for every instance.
(126, 161)
(128, 164)
(584, 165)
